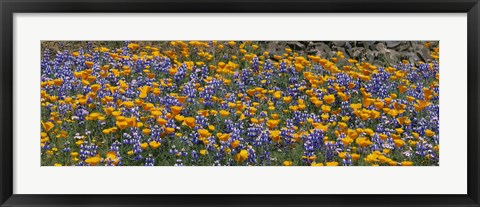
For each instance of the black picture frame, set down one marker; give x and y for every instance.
(10, 7)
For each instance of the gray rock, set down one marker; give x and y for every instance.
(392, 44)
(348, 45)
(358, 52)
(367, 44)
(273, 46)
(339, 43)
(380, 46)
(296, 45)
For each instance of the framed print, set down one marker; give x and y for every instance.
(199, 103)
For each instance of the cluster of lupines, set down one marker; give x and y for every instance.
(226, 103)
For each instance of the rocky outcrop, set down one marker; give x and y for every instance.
(376, 52)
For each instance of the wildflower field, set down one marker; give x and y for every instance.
(235, 103)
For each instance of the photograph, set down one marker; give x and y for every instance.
(290, 103)
(240, 103)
